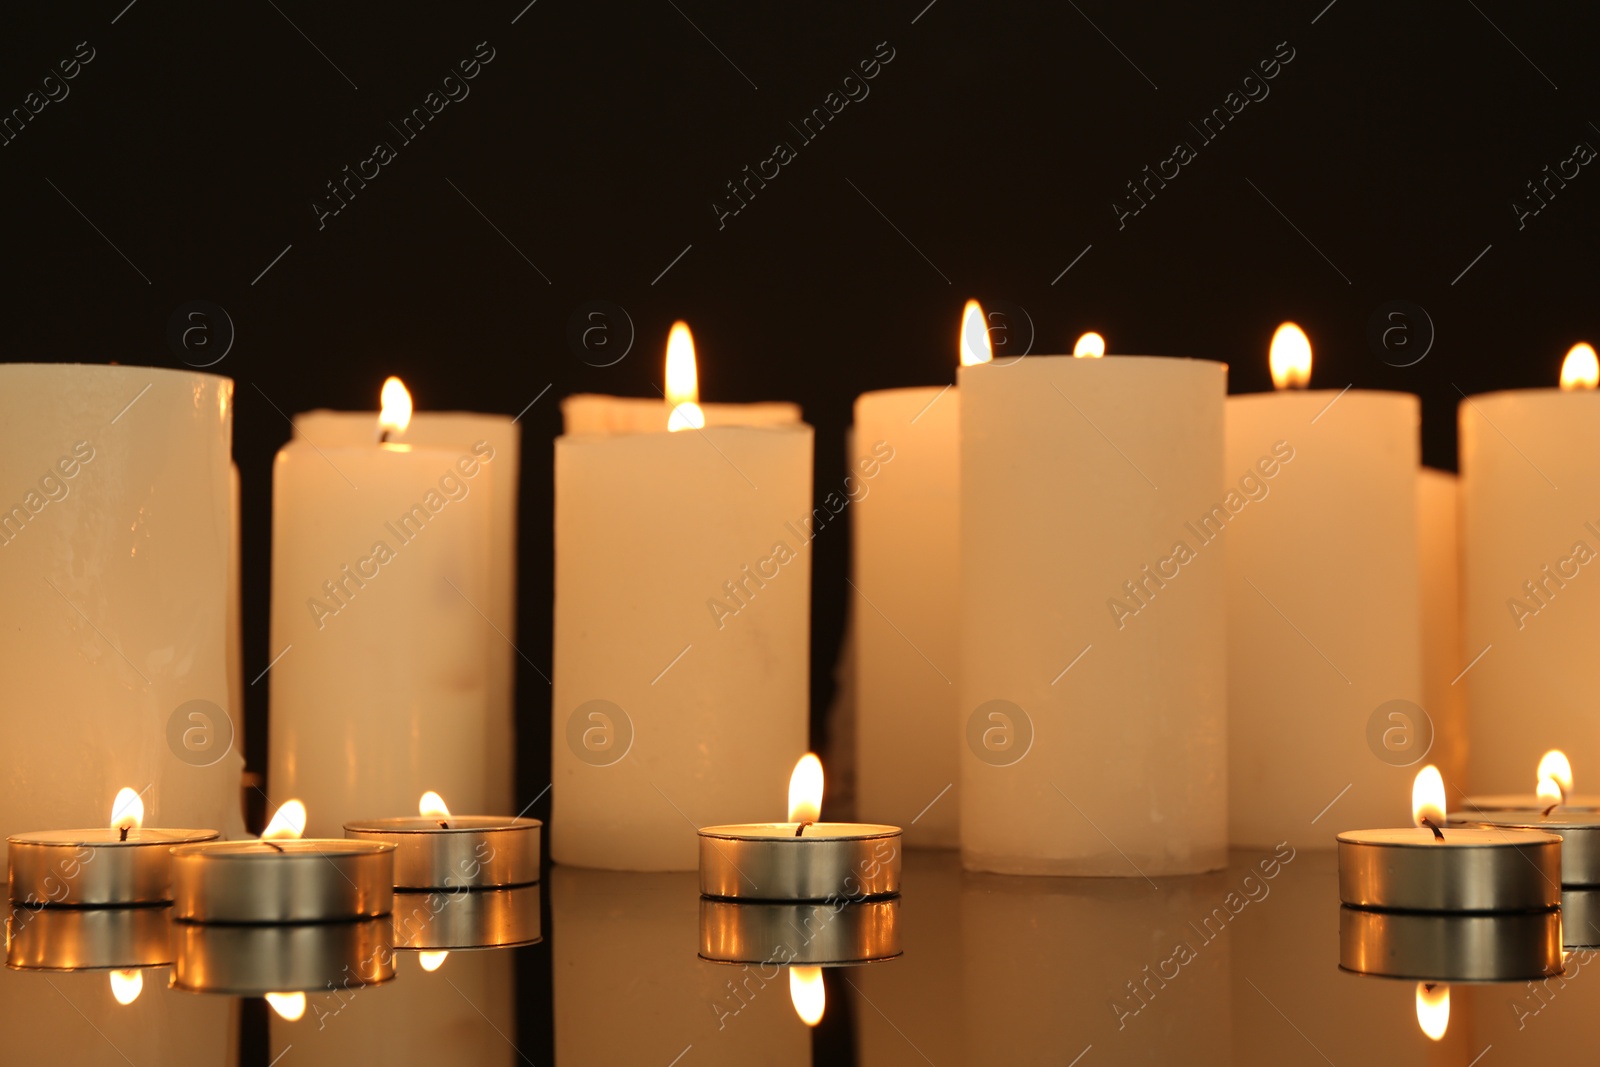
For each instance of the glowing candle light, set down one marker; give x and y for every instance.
(682, 602)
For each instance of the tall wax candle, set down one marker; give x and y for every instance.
(1091, 668)
(905, 457)
(1324, 607)
(682, 596)
(495, 443)
(381, 579)
(1530, 526)
(115, 530)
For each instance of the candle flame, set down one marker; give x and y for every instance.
(808, 994)
(432, 806)
(127, 985)
(395, 413)
(289, 1006)
(288, 823)
(127, 811)
(432, 961)
(683, 381)
(1427, 797)
(1090, 346)
(1433, 1008)
(805, 790)
(1580, 370)
(975, 346)
(1290, 358)
(1555, 766)
(1549, 792)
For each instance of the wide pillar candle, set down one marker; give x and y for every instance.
(1530, 525)
(906, 461)
(682, 599)
(1091, 641)
(462, 431)
(115, 535)
(381, 581)
(1324, 652)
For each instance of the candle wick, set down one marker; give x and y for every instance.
(383, 437)
(801, 829)
(1438, 834)
(443, 825)
(1552, 807)
(124, 836)
(275, 848)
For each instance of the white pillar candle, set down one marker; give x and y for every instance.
(466, 433)
(682, 596)
(1093, 713)
(905, 458)
(381, 582)
(1444, 693)
(1530, 605)
(1323, 607)
(114, 544)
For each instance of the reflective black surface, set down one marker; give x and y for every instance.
(1238, 966)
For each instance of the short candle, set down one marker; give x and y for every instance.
(1432, 867)
(110, 866)
(437, 850)
(282, 878)
(801, 859)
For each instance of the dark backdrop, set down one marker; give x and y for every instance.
(184, 162)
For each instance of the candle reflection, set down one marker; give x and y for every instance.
(1433, 1009)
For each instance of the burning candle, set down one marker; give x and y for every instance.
(801, 859)
(382, 579)
(1529, 532)
(437, 850)
(1578, 826)
(118, 865)
(282, 878)
(905, 478)
(492, 446)
(115, 529)
(682, 601)
(1092, 691)
(1321, 520)
(1433, 867)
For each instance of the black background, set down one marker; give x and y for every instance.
(985, 160)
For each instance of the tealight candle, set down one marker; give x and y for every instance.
(1554, 778)
(1465, 869)
(437, 850)
(116, 865)
(1579, 832)
(282, 878)
(801, 859)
